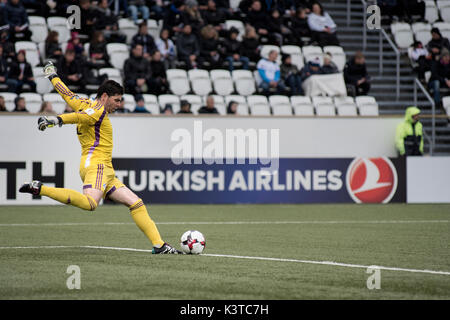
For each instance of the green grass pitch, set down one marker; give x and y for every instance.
(411, 238)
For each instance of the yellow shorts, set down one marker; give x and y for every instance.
(101, 177)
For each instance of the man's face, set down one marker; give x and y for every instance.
(137, 51)
(416, 117)
(273, 56)
(210, 102)
(187, 29)
(111, 103)
(256, 6)
(70, 57)
(21, 104)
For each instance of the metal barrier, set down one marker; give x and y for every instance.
(417, 83)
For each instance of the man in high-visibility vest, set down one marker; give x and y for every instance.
(409, 134)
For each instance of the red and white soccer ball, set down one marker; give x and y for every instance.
(192, 242)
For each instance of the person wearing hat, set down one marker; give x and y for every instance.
(20, 73)
(440, 75)
(312, 67)
(355, 74)
(168, 110)
(140, 104)
(291, 75)
(409, 134)
(437, 43)
(328, 66)
(233, 50)
(185, 107)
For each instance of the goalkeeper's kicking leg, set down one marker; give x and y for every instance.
(90, 199)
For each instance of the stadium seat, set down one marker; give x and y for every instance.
(257, 99)
(422, 32)
(296, 55)
(348, 110)
(39, 29)
(362, 100)
(304, 110)
(53, 97)
(446, 102)
(368, 110)
(276, 100)
(222, 82)
(218, 100)
(151, 103)
(112, 73)
(9, 100)
(444, 28)
(43, 85)
(444, 9)
(31, 52)
(260, 110)
(200, 81)
(337, 56)
(318, 100)
(178, 81)
(431, 11)
(300, 100)
(59, 107)
(118, 53)
(60, 25)
(172, 99)
(127, 27)
(403, 34)
(242, 110)
(221, 109)
(130, 103)
(244, 82)
(33, 101)
(311, 53)
(194, 100)
(325, 110)
(282, 110)
(153, 28)
(344, 100)
(238, 25)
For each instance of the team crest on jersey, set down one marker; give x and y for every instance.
(89, 111)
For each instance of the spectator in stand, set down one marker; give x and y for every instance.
(322, 26)
(175, 17)
(140, 104)
(250, 44)
(138, 73)
(17, 18)
(440, 76)
(328, 66)
(355, 74)
(157, 7)
(20, 73)
(389, 8)
(70, 70)
(168, 110)
(41, 8)
(76, 45)
(136, 6)
(300, 27)
(210, 47)
(210, 106)
(19, 102)
(97, 50)
(232, 107)
(412, 7)
(188, 47)
(437, 43)
(108, 22)
(422, 58)
(145, 40)
(167, 49)
(277, 30)
(409, 134)
(47, 108)
(193, 16)
(311, 68)
(2, 105)
(158, 74)
(52, 48)
(215, 17)
(233, 50)
(3, 68)
(258, 19)
(121, 108)
(88, 16)
(270, 74)
(185, 107)
(9, 51)
(291, 75)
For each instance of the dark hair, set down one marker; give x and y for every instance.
(111, 88)
(320, 6)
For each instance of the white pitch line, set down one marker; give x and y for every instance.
(328, 263)
(223, 223)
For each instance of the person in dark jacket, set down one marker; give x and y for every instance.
(158, 74)
(17, 18)
(52, 48)
(88, 17)
(210, 47)
(70, 70)
(258, 19)
(145, 40)
(107, 21)
(355, 73)
(140, 104)
(250, 44)
(300, 27)
(19, 102)
(188, 47)
(291, 75)
(277, 30)
(409, 134)
(437, 43)
(232, 50)
(97, 50)
(312, 67)
(185, 107)
(3, 68)
(209, 108)
(328, 66)
(440, 75)
(175, 17)
(138, 73)
(214, 17)
(20, 73)
(232, 107)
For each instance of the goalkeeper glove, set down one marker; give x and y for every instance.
(50, 70)
(48, 122)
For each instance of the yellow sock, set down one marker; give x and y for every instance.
(69, 196)
(143, 221)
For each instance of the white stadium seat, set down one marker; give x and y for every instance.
(296, 55)
(33, 101)
(172, 99)
(318, 100)
(244, 82)
(178, 81)
(312, 53)
(222, 82)
(151, 103)
(59, 24)
(337, 56)
(368, 109)
(42, 84)
(194, 100)
(112, 73)
(31, 51)
(200, 81)
(431, 11)
(257, 99)
(343, 100)
(304, 110)
(422, 32)
(348, 110)
(39, 29)
(276, 100)
(260, 110)
(362, 100)
(325, 110)
(127, 27)
(153, 28)
(242, 109)
(403, 34)
(444, 9)
(9, 100)
(282, 110)
(118, 53)
(300, 100)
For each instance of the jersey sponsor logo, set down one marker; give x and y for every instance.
(90, 111)
(371, 180)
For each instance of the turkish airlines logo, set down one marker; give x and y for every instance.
(372, 180)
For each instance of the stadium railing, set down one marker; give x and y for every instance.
(418, 84)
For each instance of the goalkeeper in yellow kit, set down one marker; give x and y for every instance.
(96, 171)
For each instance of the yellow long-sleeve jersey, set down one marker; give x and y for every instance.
(94, 129)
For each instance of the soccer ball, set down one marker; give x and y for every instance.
(193, 242)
